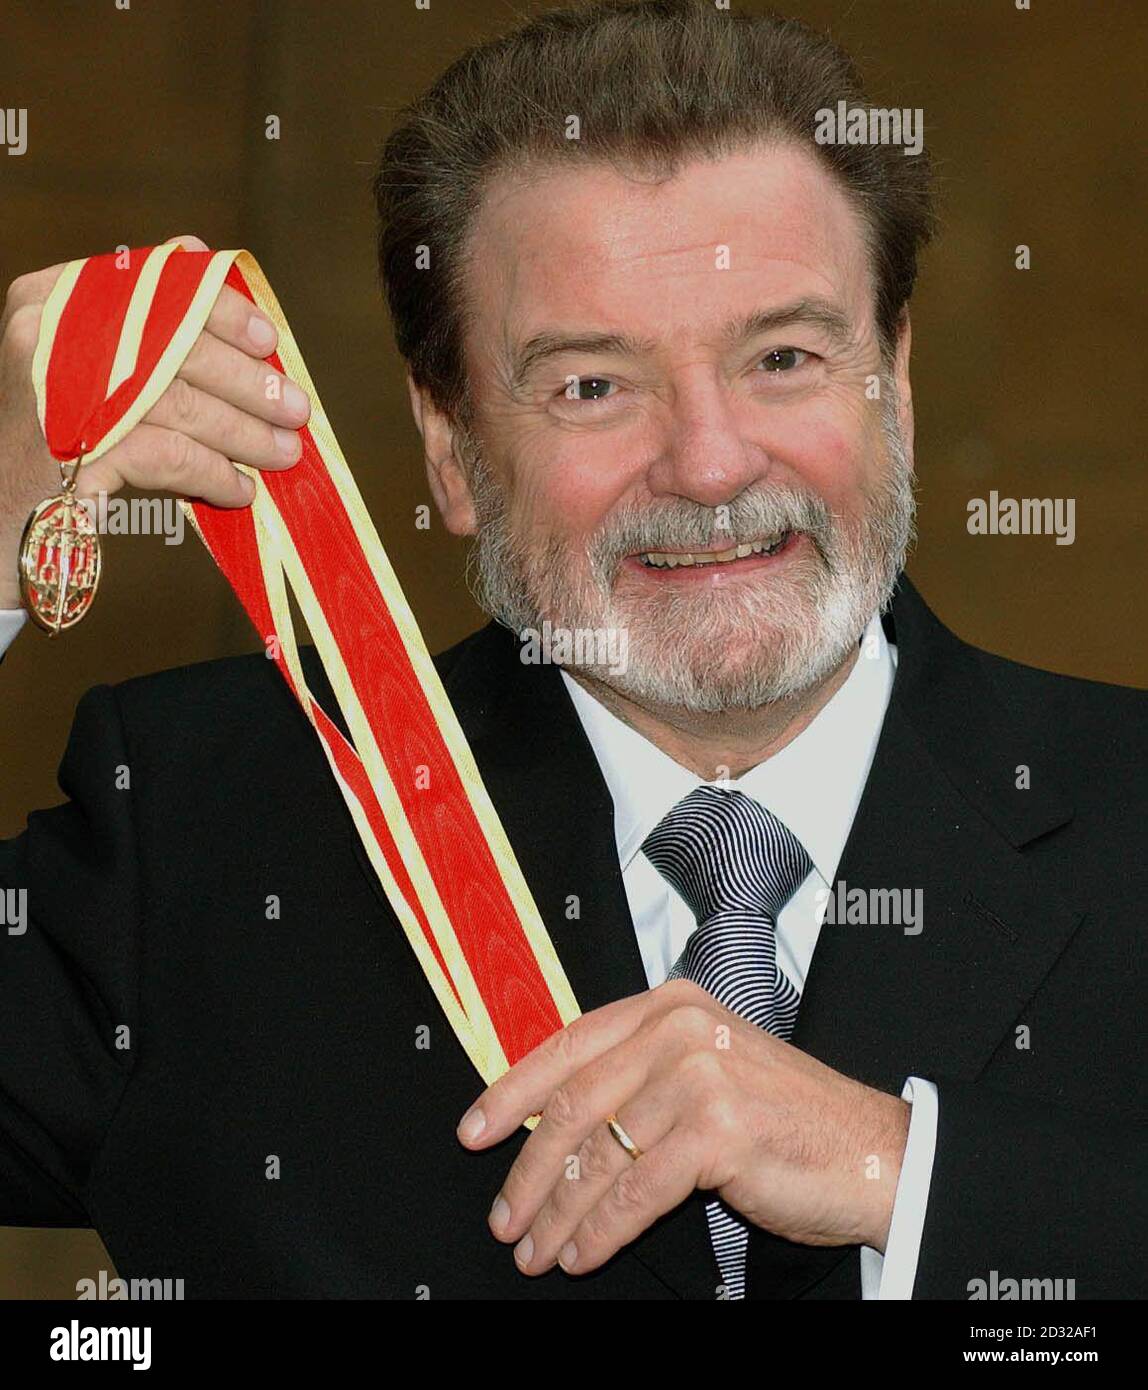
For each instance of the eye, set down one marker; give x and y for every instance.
(783, 359)
(586, 388)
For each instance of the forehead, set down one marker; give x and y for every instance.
(588, 247)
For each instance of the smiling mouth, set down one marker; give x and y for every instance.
(658, 559)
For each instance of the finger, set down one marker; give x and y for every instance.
(572, 1115)
(233, 316)
(250, 385)
(237, 321)
(154, 458)
(33, 288)
(655, 1184)
(223, 428)
(528, 1085)
(588, 1176)
(189, 242)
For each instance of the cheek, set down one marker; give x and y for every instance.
(569, 489)
(834, 451)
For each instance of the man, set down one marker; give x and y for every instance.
(850, 907)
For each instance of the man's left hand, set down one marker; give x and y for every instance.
(712, 1102)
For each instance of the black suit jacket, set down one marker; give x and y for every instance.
(290, 1044)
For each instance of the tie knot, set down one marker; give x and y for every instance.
(724, 852)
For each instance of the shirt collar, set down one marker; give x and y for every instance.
(813, 785)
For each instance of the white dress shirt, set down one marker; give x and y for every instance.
(11, 621)
(813, 786)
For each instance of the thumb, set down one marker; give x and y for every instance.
(188, 242)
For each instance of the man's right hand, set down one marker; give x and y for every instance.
(217, 409)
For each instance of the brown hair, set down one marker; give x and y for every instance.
(652, 83)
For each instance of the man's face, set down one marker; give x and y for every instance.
(676, 370)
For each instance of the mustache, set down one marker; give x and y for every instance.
(680, 524)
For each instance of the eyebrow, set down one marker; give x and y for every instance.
(814, 311)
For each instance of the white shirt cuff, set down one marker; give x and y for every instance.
(11, 621)
(893, 1274)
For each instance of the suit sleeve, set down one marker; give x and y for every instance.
(1034, 1192)
(68, 976)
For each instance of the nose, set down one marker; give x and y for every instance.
(705, 457)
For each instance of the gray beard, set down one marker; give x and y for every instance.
(699, 652)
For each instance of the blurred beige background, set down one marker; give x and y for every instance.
(150, 121)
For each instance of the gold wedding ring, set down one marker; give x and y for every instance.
(622, 1137)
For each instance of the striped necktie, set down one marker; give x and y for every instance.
(736, 866)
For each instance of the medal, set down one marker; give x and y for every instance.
(113, 335)
(60, 558)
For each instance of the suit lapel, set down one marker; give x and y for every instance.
(543, 778)
(941, 815)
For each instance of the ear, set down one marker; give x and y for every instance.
(901, 377)
(445, 474)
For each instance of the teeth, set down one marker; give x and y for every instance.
(659, 560)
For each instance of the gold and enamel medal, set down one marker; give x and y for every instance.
(60, 557)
